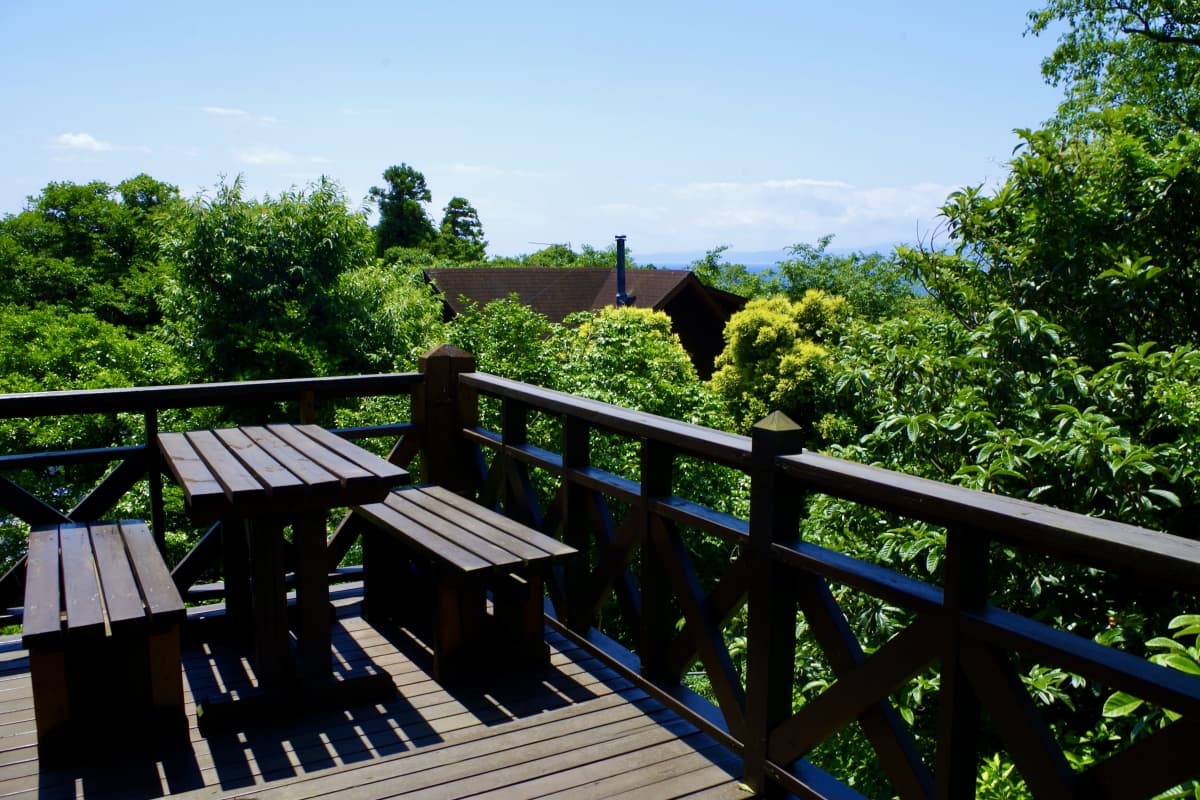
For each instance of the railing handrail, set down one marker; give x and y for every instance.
(139, 399)
(1090, 541)
(730, 449)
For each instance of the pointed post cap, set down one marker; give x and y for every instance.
(776, 421)
(776, 434)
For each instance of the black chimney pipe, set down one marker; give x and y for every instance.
(622, 298)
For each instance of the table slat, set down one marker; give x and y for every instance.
(276, 478)
(200, 486)
(237, 481)
(318, 480)
(351, 475)
(379, 467)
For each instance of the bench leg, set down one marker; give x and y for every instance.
(166, 673)
(48, 673)
(459, 625)
(517, 609)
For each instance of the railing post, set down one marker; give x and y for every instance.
(442, 408)
(775, 509)
(959, 712)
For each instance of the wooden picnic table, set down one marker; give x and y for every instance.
(260, 480)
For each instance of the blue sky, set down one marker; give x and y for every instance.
(682, 125)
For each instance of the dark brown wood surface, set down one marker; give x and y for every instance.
(462, 534)
(277, 469)
(585, 733)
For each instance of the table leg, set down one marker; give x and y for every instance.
(236, 558)
(312, 595)
(265, 536)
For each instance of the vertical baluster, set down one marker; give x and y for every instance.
(158, 516)
(657, 620)
(576, 454)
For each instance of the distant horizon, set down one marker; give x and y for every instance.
(565, 121)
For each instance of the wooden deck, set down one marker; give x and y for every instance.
(579, 731)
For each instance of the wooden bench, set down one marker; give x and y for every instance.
(101, 624)
(430, 561)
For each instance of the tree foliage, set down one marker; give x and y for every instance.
(460, 236)
(1098, 234)
(403, 221)
(776, 358)
(1140, 53)
(91, 247)
(254, 291)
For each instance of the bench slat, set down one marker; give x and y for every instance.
(81, 590)
(42, 622)
(162, 598)
(423, 538)
(483, 527)
(547, 544)
(466, 539)
(121, 595)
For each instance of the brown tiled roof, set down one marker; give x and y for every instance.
(557, 292)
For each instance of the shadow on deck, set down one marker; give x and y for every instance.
(578, 730)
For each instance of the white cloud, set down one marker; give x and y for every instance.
(275, 155)
(265, 120)
(80, 141)
(265, 155)
(802, 203)
(491, 172)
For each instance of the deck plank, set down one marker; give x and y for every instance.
(582, 731)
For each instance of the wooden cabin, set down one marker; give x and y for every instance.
(698, 313)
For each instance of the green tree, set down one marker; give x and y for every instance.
(89, 247)
(254, 295)
(401, 201)
(875, 285)
(390, 313)
(776, 358)
(1099, 234)
(713, 270)
(1143, 53)
(460, 236)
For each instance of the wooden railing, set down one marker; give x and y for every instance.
(642, 559)
(638, 599)
(138, 460)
